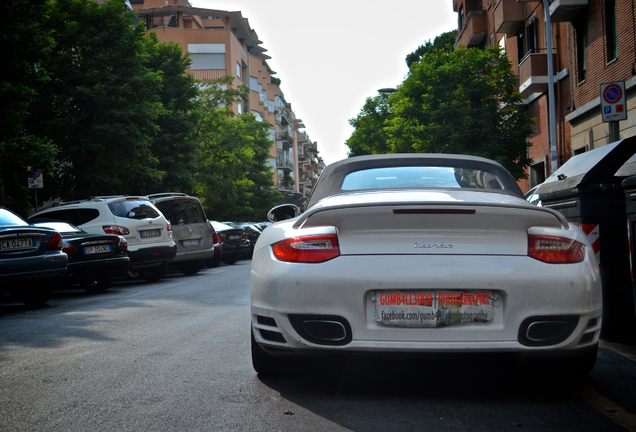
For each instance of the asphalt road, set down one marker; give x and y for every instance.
(175, 356)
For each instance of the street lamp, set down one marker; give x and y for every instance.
(551, 109)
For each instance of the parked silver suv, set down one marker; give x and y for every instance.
(148, 233)
(190, 230)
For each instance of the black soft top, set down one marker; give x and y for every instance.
(331, 179)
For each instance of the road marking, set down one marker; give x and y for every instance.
(608, 408)
(627, 351)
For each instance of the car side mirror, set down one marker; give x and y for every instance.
(282, 212)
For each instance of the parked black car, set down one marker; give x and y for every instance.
(93, 259)
(31, 258)
(234, 241)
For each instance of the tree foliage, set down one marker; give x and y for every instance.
(26, 44)
(445, 41)
(369, 136)
(454, 103)
(233, 178)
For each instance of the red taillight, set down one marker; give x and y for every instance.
(55, 243)
(555, 250)
(68, 248)
(245, 236)
(123, 244)
(222, 237)
(169, 228)
(311, 249)
(215, 237)
(114, 229)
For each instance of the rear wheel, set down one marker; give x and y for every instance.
(230, 260)
(192, 267)
(36, 297)
(153, 274)
(263, 363)
(98, 285)
(583, 363)
(213, 262)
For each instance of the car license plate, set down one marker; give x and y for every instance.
(97, 249)
(431, 309)
(18, 244)
(150, 233)
(234, 237)
(187, 243)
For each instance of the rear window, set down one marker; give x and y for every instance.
(73, 215)
(181, 211)
(9, 219)
(134, 209)
(421, 177)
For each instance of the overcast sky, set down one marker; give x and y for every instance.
(332, 54)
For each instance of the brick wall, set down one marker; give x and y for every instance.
(599, 70)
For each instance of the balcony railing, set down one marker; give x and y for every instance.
(207, 74)
(565, 10)
(474, 30)
(509, 16)
(284, 164)
(533, 73)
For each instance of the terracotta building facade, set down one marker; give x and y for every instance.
(593, 42)
(222, 43)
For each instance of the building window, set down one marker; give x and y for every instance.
(238, 69)
(531, 39)
(240, 107)
(581, 49)
(461, 17)
(492, 39)
(610, 30)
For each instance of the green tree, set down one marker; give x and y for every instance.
(455, 103)
(26, 43)
(173, 144)
(369, 136)
(101, 102)
(233, 177)
(445, 41)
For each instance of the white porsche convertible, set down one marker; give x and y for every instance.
(422, 253)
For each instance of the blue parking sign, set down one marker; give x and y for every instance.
(607, 110)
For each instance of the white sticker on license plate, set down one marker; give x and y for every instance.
(18, 244)
(97, 249)
(150, 233)
(430, 309)
(187, 243)
(234, 237)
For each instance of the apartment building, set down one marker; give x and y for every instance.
(222, 43)
(593, 42)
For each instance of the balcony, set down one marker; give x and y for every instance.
(565, 10)
(475, 29)
(284, 164)
(207, 74)
(509, 16)
(533, 73)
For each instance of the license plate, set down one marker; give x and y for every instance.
(18, 244)
(234, 237)
(431, 309)
(97, 249)
(187, 243)
(150, 233)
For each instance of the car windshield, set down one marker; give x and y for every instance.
(61, 227)
(9, 219)
(421, 177)
(134, 209)
(218, 226)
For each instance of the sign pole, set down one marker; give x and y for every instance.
(554, 165)
(36, 201)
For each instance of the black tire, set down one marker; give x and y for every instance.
(213, 262)
(98, 285)
(36, 297)
(263, 363)
(192, 267)
(153, 274)
(230, 260)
